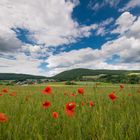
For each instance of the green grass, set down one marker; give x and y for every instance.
(107, 120)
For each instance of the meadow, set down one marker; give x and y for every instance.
(95, 115)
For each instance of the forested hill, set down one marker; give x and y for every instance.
(13, 76)
(76, 74)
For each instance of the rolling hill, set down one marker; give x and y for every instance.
(76, 74)
(13, 76)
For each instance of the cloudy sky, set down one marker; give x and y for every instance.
(45, 37)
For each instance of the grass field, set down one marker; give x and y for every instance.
(105, 120)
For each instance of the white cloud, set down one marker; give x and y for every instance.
(49, 21)
(135, 29)
(128, 25)
(124, 22)
(31, 48)
(21, 64)
(127, 48)
(8, 41)
(131, 4)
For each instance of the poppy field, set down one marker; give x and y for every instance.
(76, 112)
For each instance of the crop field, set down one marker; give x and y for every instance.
(74, 112)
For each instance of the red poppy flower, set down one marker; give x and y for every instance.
(91, 104)
(13, 94)
(121, 86)
(70, 107)
(129, 94)
(81, 91)
(46, 104)
(3, 117)
(112, 96)
(55, 115)
(4, 90)
(47, 90)
(1, 94)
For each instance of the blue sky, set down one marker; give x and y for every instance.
(48, 37)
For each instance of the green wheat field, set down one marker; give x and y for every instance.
(107, 119)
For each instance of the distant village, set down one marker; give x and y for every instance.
(25, 82)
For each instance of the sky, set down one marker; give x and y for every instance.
(46, 37)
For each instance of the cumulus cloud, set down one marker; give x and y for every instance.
(50, 22)
(8, 41)
(31, 48)
(21, 64)
(135, 29)
(124, 22)
(128, 25)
